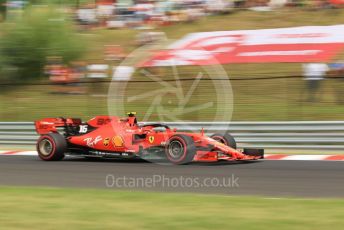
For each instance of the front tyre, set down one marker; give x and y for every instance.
(226, 139)
(51, 147)
(180, 149)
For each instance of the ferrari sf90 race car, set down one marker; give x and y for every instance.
(114, 137)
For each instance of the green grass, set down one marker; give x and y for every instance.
(263, 100)
(50, 208)
(256, 100)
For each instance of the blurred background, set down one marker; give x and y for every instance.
(57, 58)
(264, 60)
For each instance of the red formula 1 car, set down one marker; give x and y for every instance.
(113, 137)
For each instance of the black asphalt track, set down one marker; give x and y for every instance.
(268, 178)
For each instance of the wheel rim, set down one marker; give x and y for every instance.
(176, 149)
(45, 147)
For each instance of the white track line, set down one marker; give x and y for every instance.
(306, 157)
(282, 157)
(28, 153)
(18, 153)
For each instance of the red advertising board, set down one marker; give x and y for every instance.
(297, 44)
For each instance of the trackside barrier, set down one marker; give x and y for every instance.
(291, 135)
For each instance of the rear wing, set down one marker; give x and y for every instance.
(49, 125)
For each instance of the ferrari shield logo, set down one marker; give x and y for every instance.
(151, 139)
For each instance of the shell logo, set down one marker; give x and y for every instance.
(117, 141)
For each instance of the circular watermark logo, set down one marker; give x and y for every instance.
(169, 91)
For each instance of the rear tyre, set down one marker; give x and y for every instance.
(226, 139)
(51, 147)
(180, 149)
